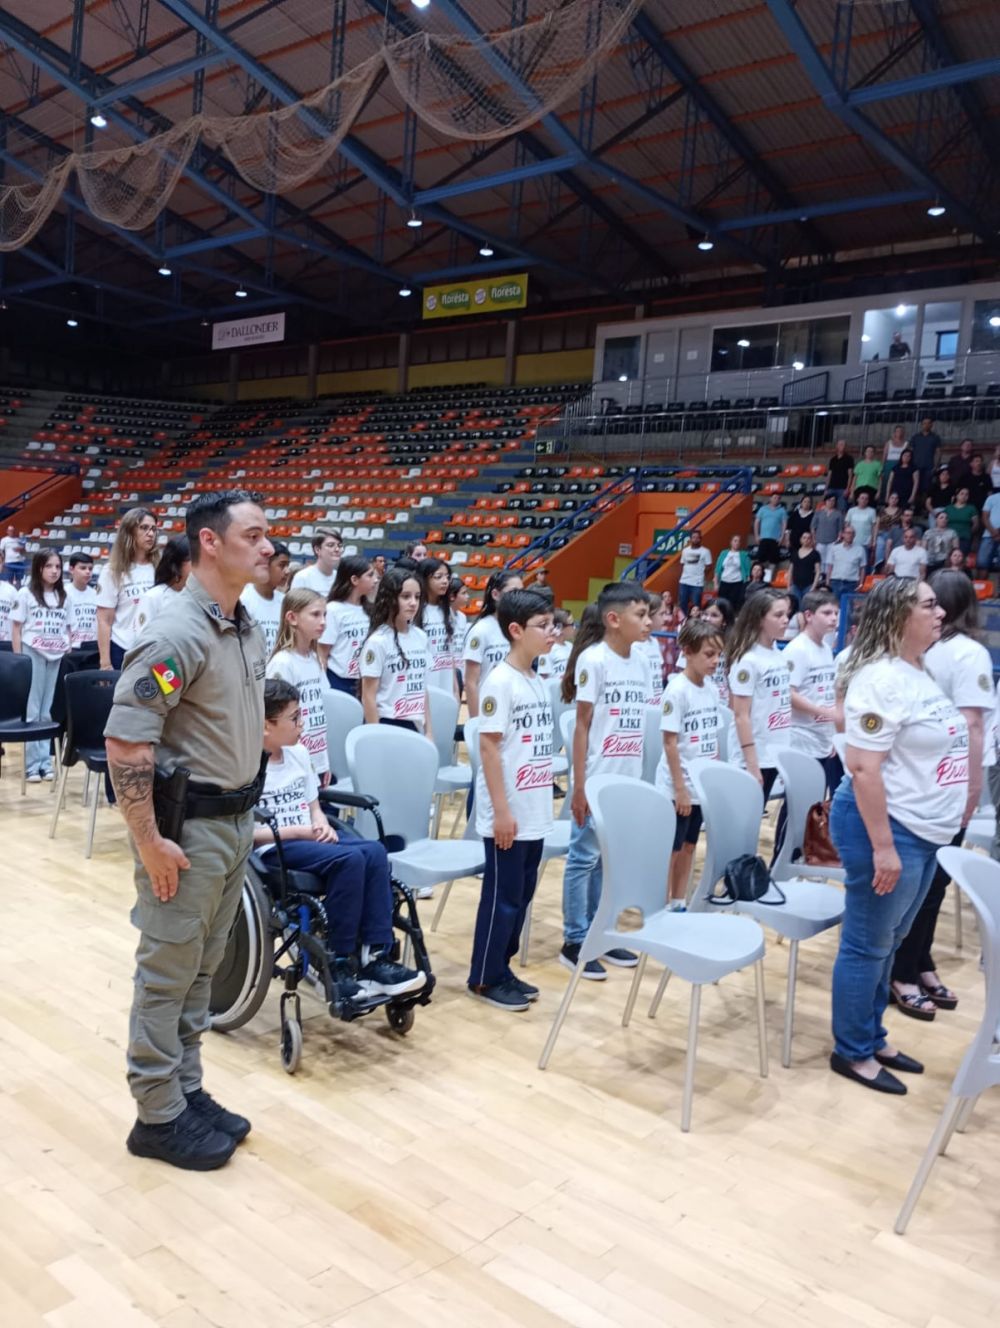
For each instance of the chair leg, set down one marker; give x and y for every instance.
(793, 967)
(964, 1116)
(659, 993)
(689, 1060)
(441, 903)
(92, 821)
(758, 973)
(24, 770)
(60, 795)
(438, 809)
(85, 796)
(561, 1014)
(522, 958)
(458, 817)
(634, 990)
(958, 919)
(941, 1133)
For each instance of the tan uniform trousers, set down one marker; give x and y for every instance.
(181, 945)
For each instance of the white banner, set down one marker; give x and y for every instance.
(252, 331)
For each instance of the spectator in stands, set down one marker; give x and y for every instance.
(989, 545)
(941, 492)
(40, 630)
(328, 549)
(891, 453)
(379, 564)
(904, 481)
(908, 561)
(960, 465)
(172, 572)
(770, 530)
(485, 644)
(8, 598)
(867, 476)
(939, 542)
(840, 474)
(799, 519)
(732, 572)
(861, 519)
(978, 482)
(957, 562)
(696, 560)
(888, 529)
(755, 583)
(263, 599)
(130, 572)
(963, 519)
(898, 348)
(415, 551)
(995, 467)
(541, 578)
(903, 800)
(13, 549)
(347, 623)
(847, 565)
(81, 603)
(827, 525)
(807, 568)
(758, 683)
(672, 620)
(926, 448)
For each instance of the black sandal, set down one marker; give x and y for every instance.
(913, 1004)
(941, 996)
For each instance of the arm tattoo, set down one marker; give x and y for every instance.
(133, 785)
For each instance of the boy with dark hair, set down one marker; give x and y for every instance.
(513, 798)
(813, 681)
(81, 603)
(263, 598)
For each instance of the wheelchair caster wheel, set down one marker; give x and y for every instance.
(400, 1021)
(291, 1045)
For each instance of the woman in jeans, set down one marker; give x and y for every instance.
(905, 795)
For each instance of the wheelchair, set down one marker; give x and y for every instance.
(279, 932)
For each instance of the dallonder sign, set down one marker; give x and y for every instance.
(488, 296)
(253, 331)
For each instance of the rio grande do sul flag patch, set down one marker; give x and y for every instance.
(168, 676)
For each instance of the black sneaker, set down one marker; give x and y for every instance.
(621, 958)
(188, 1142)
(215, 1114)
(529, 992)
(382, 977)
(505, 996)
(569, 957)
(348, 989)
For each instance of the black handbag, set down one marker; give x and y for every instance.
(747, 880)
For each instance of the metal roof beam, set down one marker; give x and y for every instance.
(530, 171)
(162, 74)
(946, 76)
(901, 198)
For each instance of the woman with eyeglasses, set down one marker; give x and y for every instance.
(904, 796)
(129, 575)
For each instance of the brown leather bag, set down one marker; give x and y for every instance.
(817, 846)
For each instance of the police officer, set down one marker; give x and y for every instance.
(190, 699)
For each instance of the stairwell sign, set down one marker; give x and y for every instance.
(486, 296)
(253, 331)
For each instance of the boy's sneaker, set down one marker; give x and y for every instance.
(188, 1142)
(33, 779)
(48, 776)
(677, 906)
(621, 958)
(215, 1114)
(381, 976)
(529, 992)
(342, 967)
(505, 995)
(424, 892)
(569, 957)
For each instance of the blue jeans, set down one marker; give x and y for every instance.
(44, 676)
(839, 588)
(988, 551)
(840, 495)
(508, 888)
(582, 878)
(688, 595)
(357, 895)
(873, 925)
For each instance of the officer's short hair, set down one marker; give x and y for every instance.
(210, 511)
(277, 695)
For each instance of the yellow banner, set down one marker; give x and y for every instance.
(487, 296)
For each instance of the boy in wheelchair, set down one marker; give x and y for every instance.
(357, 895)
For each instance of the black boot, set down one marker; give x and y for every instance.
(215, 1114)
(188, 1142)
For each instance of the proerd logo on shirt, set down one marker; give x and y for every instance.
(616, 745)
(531, 777)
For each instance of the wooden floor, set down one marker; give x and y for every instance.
(442, 1179)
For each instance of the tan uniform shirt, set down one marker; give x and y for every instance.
(193, 685)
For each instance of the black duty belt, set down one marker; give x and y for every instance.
(204, 801)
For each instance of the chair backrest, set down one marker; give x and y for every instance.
(732, 803)
(652, 743)
(979, 878)
(805, 783)
(633, 821)
(399, 768)
(559, 708)
(89, 697)
(15, 685)
(444, 716)
(343, 713)
(471, 732)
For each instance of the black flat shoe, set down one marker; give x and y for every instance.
(884, 1082)
(901, 1062)
(913, 1004)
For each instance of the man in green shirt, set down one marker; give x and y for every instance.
(867, 475)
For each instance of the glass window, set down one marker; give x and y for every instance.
(621, 358)
(813, 342)
(888, 334)
(986, 325)
(947, 345)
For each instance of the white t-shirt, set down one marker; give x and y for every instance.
(44, 627)
(8, 598)
(762, 674)
(813, 675)
(402, 683)
(81, 607)
(12, 547)
(618, 689)
(311, 578)
(894, 708)
(290, 785)
(265, 612)
(732, 567)
(517, 706)
(694, 563)
(486, 646)
(123, 596)
(650, 651)
(347, 625)
(152, 605)
(553, 665)
(862, 521)
(904, 562)
(847, 562)
(963, 669)
(304, 672)
(695, 714)
(441, 672)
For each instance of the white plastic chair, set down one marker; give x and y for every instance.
(732, 803)
(343, 713)
(652, 743)
(451, 777)
(399, 768)
(633, 820)
(979, 878)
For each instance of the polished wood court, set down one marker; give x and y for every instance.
(442, 1179)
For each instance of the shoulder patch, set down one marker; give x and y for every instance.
(474, 643)
(743, 675)
(369, 656)
(584, 675)
(871, 723)
(167, 676)
(668, 707)
(489, 707)
(146, 689)
(984, 683)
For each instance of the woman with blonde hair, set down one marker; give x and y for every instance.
(130, 574)
(904, 796)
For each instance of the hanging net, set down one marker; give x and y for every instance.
(477, 89)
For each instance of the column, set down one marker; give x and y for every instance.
(312, 368)
(403, 370)
(510, 354)
(233, 388)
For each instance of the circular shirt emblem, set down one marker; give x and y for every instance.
(743, 675)
(489, 706)
(584, 675)
(369, 656)
(668, 707)
(984, 683)
(146, 689)
(871, 723)
(474, 643)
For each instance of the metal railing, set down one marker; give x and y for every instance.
(740, 481)
(18, 502)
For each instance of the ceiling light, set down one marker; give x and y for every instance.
(743, 343)
(705, 244)
(405, 291)
(797, 364)
(936, 209)
(900, 310)
(71, 322)
(98, 120)
(486, 251)
(995, 320)
(413, 221)
(822, 412)
(623, 378)
(164, 270)
(3, 306)
(421, 4)
(204, 322)
(240, 292)
(865, 336)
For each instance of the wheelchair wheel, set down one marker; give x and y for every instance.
(400, 1018)
(291, 1045)
(241, 980)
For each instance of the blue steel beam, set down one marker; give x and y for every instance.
(207, 242)
(947, 76)
(784, 14)
(155, 77)
(530, 171)
(804, 211)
